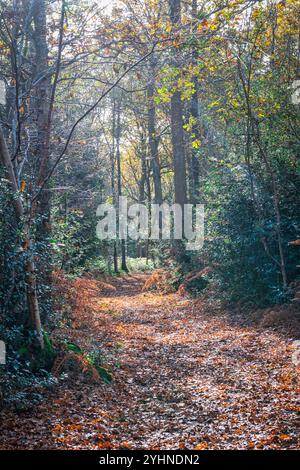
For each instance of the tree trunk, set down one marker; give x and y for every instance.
(118, 158)
(177, 120)
(113, 186)
(194, 113)
(41, 115)
(32, 300)
(177, 131)
(41, 111)
(153, 139)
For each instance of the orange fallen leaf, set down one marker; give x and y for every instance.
(201, 446)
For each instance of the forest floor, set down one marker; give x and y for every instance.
(182, 378)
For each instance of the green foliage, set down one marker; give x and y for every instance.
(94, 358)
(36, 359)
(243, 269)
(27, 372)
(72, 347)
(197, 286)
(139, 264)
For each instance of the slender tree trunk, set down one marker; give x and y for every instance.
(177, 119)
(177, 131)
(153, 139)
(42, 97)
(8, 165)
(194, 113)
(144, 175)
(41, 113)
(113, 185)
(118, 159)
(142, 186)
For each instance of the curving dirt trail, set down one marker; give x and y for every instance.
(181, 379)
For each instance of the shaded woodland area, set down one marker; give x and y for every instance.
(176, 101)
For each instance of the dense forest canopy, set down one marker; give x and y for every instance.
(178, 101)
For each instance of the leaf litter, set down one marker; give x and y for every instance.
(182, 378)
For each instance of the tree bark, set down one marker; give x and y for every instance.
(32, 300)
(177, 119)
(42, 117)
(8, 165)
(41, 111)
(152, 137)
(113, 186)
(177, 131)
(194, 113)
(118, 159)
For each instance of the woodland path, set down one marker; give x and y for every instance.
(181, 379)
